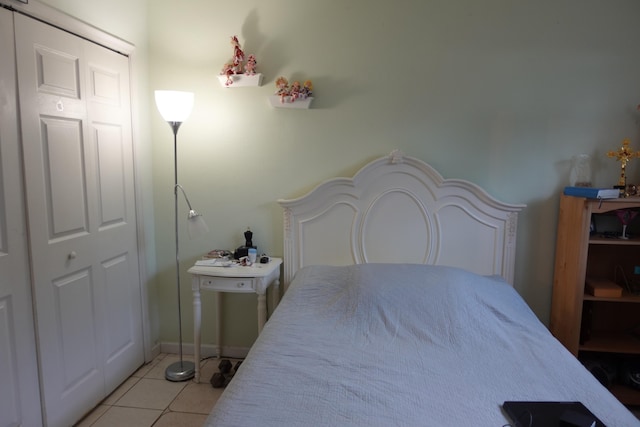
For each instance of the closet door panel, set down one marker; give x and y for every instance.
(59, 161)
(79, 156)
(57, 73)
(109, 118)
(10, 411)
(65, 193)
(19, 387)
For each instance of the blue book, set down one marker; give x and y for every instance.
(592, 193)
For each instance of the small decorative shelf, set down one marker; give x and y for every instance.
(301, 104)
(241, 80)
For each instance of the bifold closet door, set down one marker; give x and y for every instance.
(19, 393)
(78, 158)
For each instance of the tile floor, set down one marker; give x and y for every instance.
(146, 399)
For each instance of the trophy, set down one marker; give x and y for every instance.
(625, 216)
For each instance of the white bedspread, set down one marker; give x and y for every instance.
(403, 345)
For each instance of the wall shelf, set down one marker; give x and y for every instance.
(241, 80)
(301, 104)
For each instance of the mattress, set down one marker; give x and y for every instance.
(403, 345)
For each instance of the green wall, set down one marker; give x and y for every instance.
(498, 92)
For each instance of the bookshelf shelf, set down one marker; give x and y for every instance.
(588, 246)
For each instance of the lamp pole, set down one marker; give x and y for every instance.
(181, 370)
(175, 107)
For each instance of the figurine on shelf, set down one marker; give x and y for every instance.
(282, 85)
(238, 55)
(250, 67)
(623, 155)
(307, 90)
(240, 70)
(625, 216)
(227, 70)
(295, 91)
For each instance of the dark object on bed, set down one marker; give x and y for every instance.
(550, 414)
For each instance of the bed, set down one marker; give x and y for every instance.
(399, 309)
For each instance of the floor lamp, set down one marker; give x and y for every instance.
(175, 107)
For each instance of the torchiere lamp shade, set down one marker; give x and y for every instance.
(173, 105)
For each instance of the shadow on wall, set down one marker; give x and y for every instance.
(534, 240)
(331, 91)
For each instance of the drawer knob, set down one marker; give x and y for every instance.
(240, 284)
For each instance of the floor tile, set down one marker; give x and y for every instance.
(148, 399)
(196, 398)
(120, 391)
(128, 417)
(151, 394)
(143, 370)
(207, 369)
(180, 419)
(93, 416)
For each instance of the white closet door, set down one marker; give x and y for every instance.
(78, 157)
(19, 393)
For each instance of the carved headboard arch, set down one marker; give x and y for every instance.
(399, 209)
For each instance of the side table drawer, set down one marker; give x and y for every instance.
(227, 284)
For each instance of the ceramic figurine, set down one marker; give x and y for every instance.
(295, 91)
(250, 67)
(283, 88)
(227, 70)
(307, 90)
(238, 55)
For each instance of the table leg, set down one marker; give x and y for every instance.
(196, 327)
(262, 311)
(218, 298)
(276, 293)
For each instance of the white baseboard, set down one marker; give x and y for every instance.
(206, 351)
(154, 352)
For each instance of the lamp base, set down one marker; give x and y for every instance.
(181, 370)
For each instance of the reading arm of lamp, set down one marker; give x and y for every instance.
(197, 225)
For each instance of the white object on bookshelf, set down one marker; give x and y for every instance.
(241, 80)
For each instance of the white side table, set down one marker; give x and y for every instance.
(237, 279)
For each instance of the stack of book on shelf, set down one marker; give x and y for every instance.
(592, 192)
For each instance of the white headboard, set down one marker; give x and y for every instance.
(399, 209)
